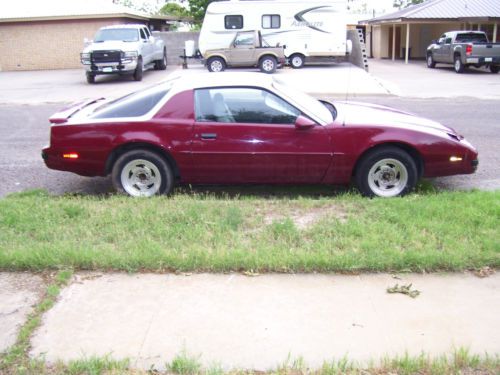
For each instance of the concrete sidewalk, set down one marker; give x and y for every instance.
(257, 322)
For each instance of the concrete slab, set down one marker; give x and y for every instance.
(257, 322)
(417, 81)
(18, 293)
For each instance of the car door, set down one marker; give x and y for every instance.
(438, 49)
(145, 46)
(242, 51)
(248, 135)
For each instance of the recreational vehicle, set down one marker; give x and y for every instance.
(304, 29)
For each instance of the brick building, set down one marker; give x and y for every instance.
(49, 34)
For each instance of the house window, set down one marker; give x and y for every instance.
(233, 22)
(271, 21)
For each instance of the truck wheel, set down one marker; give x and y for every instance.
(494, 68)
(162, 64)
(297, 61)
(459, 67)
(268, 64)
(216, 64)
(90, 77)
(430, 61)
(138, 70)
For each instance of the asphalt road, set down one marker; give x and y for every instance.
(24, 130)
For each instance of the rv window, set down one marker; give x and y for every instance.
(233, 22)
(271, 21)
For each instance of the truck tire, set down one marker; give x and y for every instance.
(458, 65)
(90, 77)
(138, 70)
(268, 64)
(162, 64)
(430, 61)
(216, 64)
(297, 60)
(494, 68)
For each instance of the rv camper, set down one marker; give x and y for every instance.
(305, 29)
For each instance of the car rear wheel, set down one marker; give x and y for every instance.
(430, 61)
(90, 77)
(142, 173)
(297, 61)
(386, 172)
(216, 64)
(138, 70)
(458, 65)
(494, 68)
(268, 64)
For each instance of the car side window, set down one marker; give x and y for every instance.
(245, 39)
(148, 34)
(143, 34)
(447, 41)
(243, 105)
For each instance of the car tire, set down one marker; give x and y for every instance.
(430, 61)
(386, 172)
(162, 64)
(216, 64)
(268, 64)
(138, 72)
(494, 68)
(458, 65)
(297, 61)
(90, 77)
(142, 173)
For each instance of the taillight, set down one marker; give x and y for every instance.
(468, 50)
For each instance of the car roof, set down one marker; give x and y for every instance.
(124, 26)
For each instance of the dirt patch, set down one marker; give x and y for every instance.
(302, 217)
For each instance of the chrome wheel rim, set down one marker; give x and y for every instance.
(268, 65)
(429, 60)
(388, 177)
(141, 178)
(216, 66)
(457, 65)
(296, 61)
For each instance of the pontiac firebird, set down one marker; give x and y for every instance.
(238, 128)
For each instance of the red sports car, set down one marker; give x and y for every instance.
(237, 128)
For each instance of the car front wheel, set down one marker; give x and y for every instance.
(216, 64)
(430, 61)
(386, 172)
(142, 173)
(138, 70)
(90, 77)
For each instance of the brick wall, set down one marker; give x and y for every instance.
(47, 44)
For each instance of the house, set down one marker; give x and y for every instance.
(406, 33)
(50, 34)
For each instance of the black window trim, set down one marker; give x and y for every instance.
(270, 15)
(233, 28)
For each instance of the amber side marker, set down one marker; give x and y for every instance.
(72, 155)
(455, 158)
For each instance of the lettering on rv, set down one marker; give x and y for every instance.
(300, 21)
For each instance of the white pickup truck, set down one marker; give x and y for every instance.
(123, 49)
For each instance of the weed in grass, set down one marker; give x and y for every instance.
(94, 366)
(404, 289)
(184, 364)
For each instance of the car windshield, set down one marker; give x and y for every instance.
(125, 35)
(471, 37)
(307, 102)
(133, 105)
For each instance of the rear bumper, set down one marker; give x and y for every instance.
(82, 166)
(483, 60)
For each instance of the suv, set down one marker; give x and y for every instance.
(123, 49)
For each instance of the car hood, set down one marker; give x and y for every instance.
(363, 114)
(111, 45)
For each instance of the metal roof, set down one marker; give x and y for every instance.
(444, 10)
(35, 10)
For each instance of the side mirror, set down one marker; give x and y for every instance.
(303, 123)
(434, 41)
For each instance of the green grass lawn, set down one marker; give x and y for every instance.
(295, 232)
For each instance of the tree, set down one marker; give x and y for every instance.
(173, 9)
(406, 3)
(197, 9)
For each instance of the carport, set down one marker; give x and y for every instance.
(407, 33)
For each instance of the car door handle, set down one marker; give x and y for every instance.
(208, 136)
